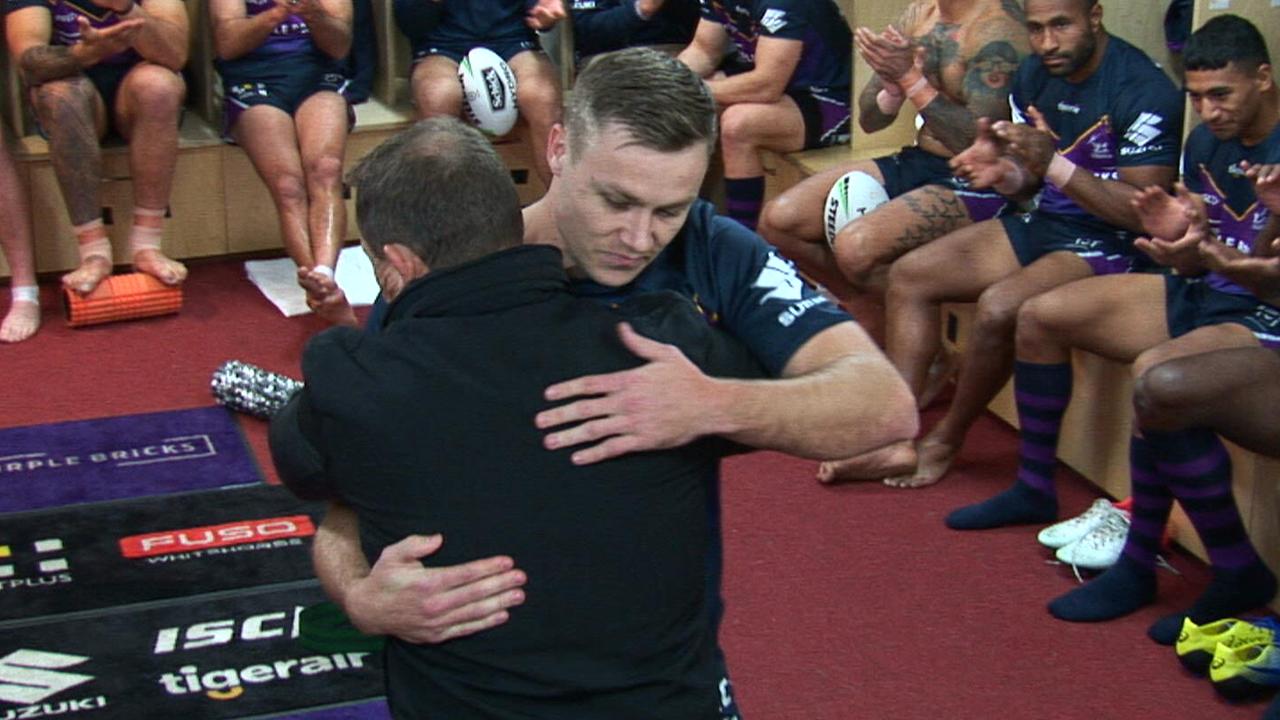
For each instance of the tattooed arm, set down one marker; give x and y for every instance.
(988, 58)
(28, 32)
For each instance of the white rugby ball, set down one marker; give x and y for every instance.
(488, 91)
(851, 197)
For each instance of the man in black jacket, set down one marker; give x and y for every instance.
(424, 428)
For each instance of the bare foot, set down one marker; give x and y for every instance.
(873, 465)
(92, 271)
(325, 298)
(21, 323)
(934, 460)
(155, 264)
(941, 372)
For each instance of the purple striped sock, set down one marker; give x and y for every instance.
(743, 199)
(1152, 502)
(1042, 393)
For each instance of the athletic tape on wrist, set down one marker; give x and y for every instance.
(1060, 171)
(324, 270)
(889, 103)
(921, 93)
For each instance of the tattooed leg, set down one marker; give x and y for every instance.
(895, 228)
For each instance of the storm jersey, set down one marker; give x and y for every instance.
(66, 31)
(1126, 114)
(605, 25)
(290, 37)
(1212, 168)
(473, 20)
(827, 59)
(738, 282)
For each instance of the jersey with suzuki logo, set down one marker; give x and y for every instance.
(1212, 167)
(826, 63)
(738, 282)
(1126, 114)
(66, 28)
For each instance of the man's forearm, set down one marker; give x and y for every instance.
(159, 40)
(954, 125)
(44, 63)
(339, 561)
(1110, 200)
(870, 117)
(332, 35)
(747, 87)
(855, 404)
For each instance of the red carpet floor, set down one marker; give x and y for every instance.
(844, 602)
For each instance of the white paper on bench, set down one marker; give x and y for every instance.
(278, 281)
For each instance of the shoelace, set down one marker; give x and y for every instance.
(1114, 528)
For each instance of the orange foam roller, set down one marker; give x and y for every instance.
(122, 297)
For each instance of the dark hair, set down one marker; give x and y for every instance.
(657, 99)
(1226, 39)
(440, 189)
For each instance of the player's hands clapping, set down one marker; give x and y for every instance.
(1162, 215)
(982, 164)
(1033, 145)
(1182, 253)
(104, 42)
(544, 14)
(890, 54)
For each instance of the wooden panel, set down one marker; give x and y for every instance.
(1141, 23)
(391, 82)
(877, 15)
(204, 88)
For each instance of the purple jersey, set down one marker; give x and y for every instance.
(290, 37)
(1212, 168)
(66, 30)
(826, 62)
(1126, 114)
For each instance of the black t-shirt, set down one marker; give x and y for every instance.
(427, 427)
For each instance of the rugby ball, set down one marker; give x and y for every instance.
(851, 197)
(488, 91)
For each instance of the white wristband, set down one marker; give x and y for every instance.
(324, 270)
(1060, 171)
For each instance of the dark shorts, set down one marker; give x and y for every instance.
(912, 168)
(283, 83)
(106, 79)
(1108, 250)
(1191, 303)
(455, 51)
(825, 114)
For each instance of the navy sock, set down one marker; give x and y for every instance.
(744, 198)
(1042, 393)
(1152, 502)
(1122, 589)
(1197, 469)
(1019, 505)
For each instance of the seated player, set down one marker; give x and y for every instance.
(605, 25)
(23, 318)
(1107, 122)
(971, 49)
(281, 64)
(616, 623)
(96, 67)
(508, 28)
(1228, 76)
(784, 87)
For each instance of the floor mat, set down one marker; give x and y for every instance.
(232, 657)
(119, 457)
(88, 557)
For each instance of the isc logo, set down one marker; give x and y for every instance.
(223, 632)
(215, 536)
